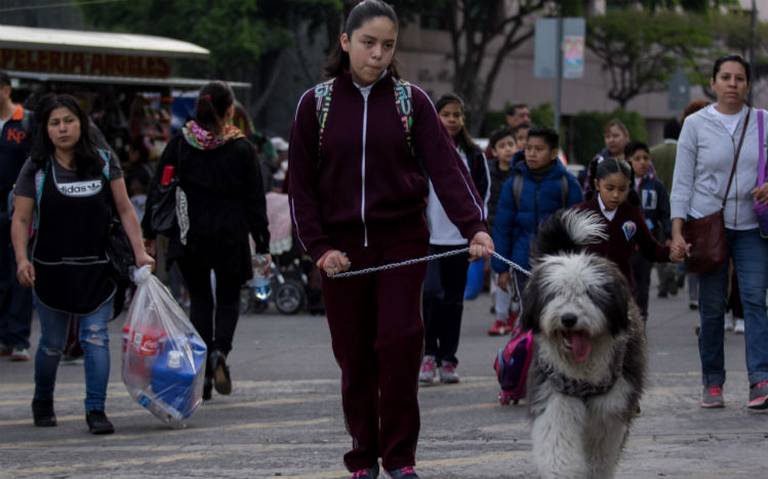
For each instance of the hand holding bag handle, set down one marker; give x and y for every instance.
(706, 235)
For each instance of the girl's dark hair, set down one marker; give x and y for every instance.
(464, 139)
(212, 103)
(601, 167)
(87, 160)
(731, 58)
(338, 60)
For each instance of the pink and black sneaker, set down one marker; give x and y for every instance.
(403, 473)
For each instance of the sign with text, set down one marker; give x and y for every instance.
(80, 63)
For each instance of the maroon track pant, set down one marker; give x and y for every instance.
(378, 340)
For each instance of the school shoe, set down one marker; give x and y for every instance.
(403, 473)
(42, 413)
(370, 473)
(499, 328)
(729, 323)
(693, 305)
(758, 396)
(448, 373)
(738, 326)
(712, 397)
(428, 371)
(221, 380)
(20, 355)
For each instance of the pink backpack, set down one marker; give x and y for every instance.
(511, 365)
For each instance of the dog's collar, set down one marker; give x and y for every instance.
(580, 388)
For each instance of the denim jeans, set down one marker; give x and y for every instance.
(750, 256)
(94, 338)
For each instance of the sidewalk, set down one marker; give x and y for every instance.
(284, 417)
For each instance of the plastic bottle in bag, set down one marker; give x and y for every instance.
(160, 409)
(174, 375)
(260, 282)
(163, 356)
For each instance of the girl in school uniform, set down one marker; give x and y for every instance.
(358, 191)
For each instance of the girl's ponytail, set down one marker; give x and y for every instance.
(212, 103)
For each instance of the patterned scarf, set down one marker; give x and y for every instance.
(202, 139)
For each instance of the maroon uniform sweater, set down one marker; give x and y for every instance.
(364, 187)
(626, 233)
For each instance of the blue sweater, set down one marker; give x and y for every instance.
(539, 198)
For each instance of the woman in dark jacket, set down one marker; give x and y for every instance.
(219, 174)
(358, 194)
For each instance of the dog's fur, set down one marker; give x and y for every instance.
(581, 411)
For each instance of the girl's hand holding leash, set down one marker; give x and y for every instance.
(481, 246)
(333, 262)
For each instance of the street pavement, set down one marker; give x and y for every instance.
(284, 419)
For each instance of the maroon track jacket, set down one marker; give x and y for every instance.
(364, 187)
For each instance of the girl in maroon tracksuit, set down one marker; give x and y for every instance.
(358, 197)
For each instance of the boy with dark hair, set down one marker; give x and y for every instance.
(654, 200)
(538, 187)
(520, 133)
(15, 300)
(503, 146)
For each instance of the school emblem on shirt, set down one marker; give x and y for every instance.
(629, 228)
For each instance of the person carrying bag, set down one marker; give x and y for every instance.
(706, 235)
(720, 151)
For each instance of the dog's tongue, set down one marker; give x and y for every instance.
(581, 346)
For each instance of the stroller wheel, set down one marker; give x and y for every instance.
(289, 297)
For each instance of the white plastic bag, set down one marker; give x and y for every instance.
(163, 356)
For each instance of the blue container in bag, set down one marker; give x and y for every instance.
(175, 370)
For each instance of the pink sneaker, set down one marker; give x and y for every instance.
(428, 372)
(370, 473)
(758, 396)
(712, 397)
(403, 473)
(448, 373)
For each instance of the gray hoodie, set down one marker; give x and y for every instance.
(703, 164)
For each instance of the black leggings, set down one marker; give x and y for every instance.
(216, 328)
(443, 303)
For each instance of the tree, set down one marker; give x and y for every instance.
(246, 37)
(640, 51)
(483, 33)
(730, 34)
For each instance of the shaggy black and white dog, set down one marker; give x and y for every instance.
(588, 369)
